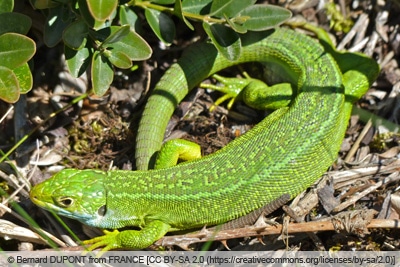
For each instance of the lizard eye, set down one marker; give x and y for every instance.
(102, 210)
(65, 202)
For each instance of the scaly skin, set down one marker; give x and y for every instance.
(283, 154)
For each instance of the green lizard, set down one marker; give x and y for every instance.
(283, 154)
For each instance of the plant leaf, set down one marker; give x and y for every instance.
(24, 77)
(6, 6)
(44, 4)
(229, 8)
(264, 17)
(102, 9)
(77, 60)
(128, 16)
(119, 59)
(9, 90)
(55, 25)
(14, 22)
(102, 73)
(179, 13)
(235, 26)
(15, 50)
(87, 16)
(164, 2)
(200, 7)
(132, 44)
(117, 34)
(161, 24)
(225, 39)
(75, 35)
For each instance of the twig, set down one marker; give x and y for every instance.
(317, 226)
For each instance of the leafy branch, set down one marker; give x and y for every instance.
(99, 36)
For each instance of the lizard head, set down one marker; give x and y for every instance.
(75, 194)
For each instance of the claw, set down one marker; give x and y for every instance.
(107, 241)
(231, 88)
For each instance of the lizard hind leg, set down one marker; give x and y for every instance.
(255, 93)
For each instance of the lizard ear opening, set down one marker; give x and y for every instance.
(65, 202)
(102, 210)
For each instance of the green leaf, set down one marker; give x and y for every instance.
(200, 7)
(179, 13)
(75, 35)
(102, 73)
(6, 6)
(128, 16)
(55, 25)
(161, 24)
(14, 22)
(15, 50)
(102, 9)
(229, 8)
(119, 59)
(9, 90)
(117, 34)
(235, 26)
(77, 60)
(225, 39)
(164, 2)
(132, 44)
(264, 17)
(24, 77)
(44, 4)
(87, 16)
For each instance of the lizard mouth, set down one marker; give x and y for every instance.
(36, 194)
(46, 203)
(39, 198)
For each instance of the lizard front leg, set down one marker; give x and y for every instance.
(132, 239)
